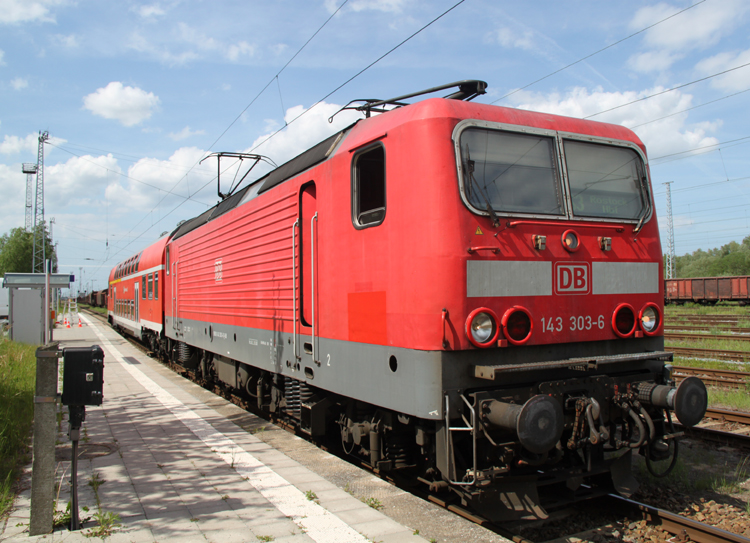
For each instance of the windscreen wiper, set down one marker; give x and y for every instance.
(489, 209)
(648, 206)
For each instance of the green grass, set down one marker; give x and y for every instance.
(735, 399)
(17, 378)
(697, 309)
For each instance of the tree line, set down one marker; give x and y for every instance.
(730, 259)
(17, 251)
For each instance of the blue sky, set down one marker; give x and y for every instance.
(135, 94)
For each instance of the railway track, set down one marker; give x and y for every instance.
(727, 317)
(706, 327)
(716, 354)
(719, 378)
(704, 337)
(684, 528)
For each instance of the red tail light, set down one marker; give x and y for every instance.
(623, 320)
(517, 325)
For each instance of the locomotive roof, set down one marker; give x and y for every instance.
(425, 109)
(298, 164)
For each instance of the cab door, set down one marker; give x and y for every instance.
(307, 243)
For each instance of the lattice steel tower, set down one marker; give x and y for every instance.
(669, 272)
(40, 253)
(30, 170)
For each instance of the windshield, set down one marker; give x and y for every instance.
(605, 181)
(510, 172)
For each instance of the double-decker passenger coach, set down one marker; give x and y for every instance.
(467, 293)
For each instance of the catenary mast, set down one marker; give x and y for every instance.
(40, 253)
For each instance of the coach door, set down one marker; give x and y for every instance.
(308, 229)
(137, 298)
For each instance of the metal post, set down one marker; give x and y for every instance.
(45, 431)
(47, 327)
(669, 272)
(76, 418)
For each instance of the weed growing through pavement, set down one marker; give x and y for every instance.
(311, 496)
(265, 537)
(372, 502)
(106, 521)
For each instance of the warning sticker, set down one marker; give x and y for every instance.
(479, 231)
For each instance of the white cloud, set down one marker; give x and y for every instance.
(192, 36)
(129, 105)
(24, 11)
(150, 179)
(19, 83)
(662, 137)
(311, 128)
(652, 61)
(733, 81)
(2, 56)
(13, 144)
(60, 40)
(697, 28)
(242, 48)
(185, 133)
(150, 11)
(508, 38)
(80, 180)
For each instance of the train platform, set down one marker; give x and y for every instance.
(166, 460)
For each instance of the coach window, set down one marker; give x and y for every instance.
(368, 187)
(510, 172)
(150, 286)
(156, 285)
(143, 287)
(605, 181)
(167, 259)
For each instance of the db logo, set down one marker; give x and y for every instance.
(218, 271)
(572, 278)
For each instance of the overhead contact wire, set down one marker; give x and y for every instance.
(597, 52)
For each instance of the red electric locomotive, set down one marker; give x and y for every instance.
(469, 292)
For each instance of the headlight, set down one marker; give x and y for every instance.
(650, 318)
(623, 320)
(481, 327)
(570, 241)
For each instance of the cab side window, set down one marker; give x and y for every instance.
(368, 187)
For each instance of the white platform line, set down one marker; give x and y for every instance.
(320, 524)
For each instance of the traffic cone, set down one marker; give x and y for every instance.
(67, 323)
(79, 323)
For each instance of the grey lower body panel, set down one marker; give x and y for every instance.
(405, 380)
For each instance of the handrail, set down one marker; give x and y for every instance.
(312, 279)
(618, 228)
(472, 429)
(294, 286)
(474, 249)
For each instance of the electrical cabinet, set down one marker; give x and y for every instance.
(83, 375)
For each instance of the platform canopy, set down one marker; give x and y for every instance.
(37, 280)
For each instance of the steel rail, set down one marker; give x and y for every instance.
(683, 527)
(721, 378)
(735, 330)
(734, 356)
(673, 335)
